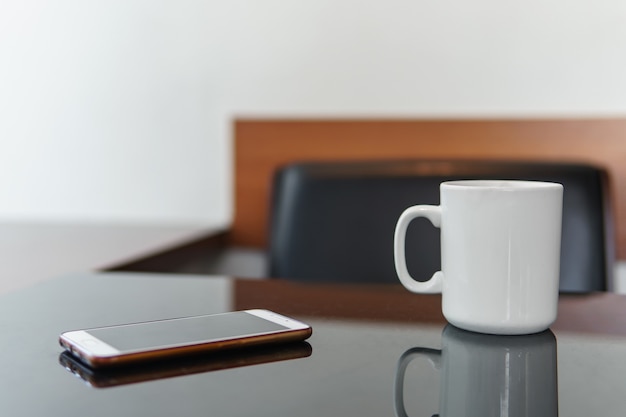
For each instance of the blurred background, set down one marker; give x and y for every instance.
(121, 111)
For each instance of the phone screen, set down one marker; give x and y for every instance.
(184, 331)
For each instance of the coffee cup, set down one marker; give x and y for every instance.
(489, 375)
(500, 254)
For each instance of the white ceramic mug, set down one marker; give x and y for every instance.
(500, 254)
(487, 375)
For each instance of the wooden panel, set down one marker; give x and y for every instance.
(263, 145)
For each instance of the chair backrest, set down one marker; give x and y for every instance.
(261, 146)
(335, 221)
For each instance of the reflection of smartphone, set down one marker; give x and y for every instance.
(130, 343)
(188, 365)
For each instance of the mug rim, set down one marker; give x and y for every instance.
(503, 184)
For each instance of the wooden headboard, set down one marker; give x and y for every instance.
(260, 146)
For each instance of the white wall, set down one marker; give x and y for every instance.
(120, 110)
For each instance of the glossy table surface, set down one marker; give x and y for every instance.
(375, 350)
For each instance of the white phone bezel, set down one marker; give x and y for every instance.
(289, 323)
(87, 344)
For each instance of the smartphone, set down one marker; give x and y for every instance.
(187, 365)
(132, 343)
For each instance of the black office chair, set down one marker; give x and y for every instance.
(335, 221)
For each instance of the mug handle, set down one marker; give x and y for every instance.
(433, 356)
(434, 284)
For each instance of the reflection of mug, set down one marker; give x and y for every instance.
(487, 375)
(500, 254)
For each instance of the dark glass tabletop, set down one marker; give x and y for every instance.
(376, 350)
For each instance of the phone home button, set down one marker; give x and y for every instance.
(89, 342)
